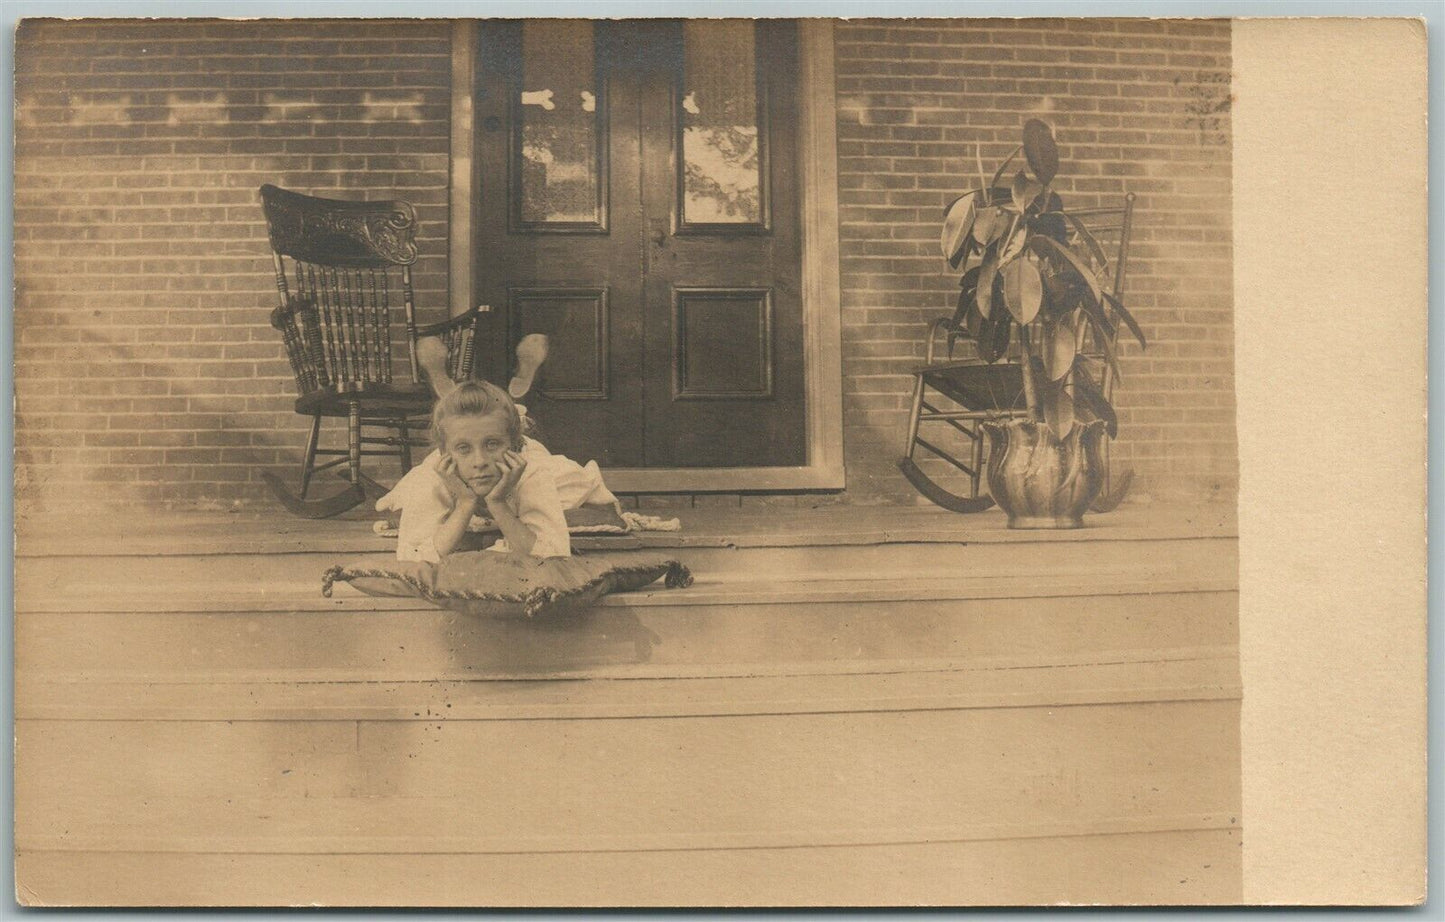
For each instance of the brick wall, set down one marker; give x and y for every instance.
(146, 371)
(1135, 104)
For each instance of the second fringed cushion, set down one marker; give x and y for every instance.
(498, 585)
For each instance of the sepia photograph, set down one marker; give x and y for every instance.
(716, 462)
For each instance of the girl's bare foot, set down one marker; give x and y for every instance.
(431, 355)
(531, 353)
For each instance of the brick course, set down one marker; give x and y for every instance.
(146, 372)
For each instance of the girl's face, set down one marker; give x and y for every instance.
(477, 444)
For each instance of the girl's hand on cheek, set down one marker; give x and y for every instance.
(511, 466)
(458, 488)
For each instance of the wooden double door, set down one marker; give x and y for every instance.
(638, 201)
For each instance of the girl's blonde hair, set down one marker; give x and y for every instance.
(476, 398)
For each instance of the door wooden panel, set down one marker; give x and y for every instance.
(578, 362)
(650, 226)
(724, 344)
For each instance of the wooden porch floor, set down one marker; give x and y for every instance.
(850, 706)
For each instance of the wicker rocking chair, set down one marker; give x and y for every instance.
(341, 269)
(965, 392)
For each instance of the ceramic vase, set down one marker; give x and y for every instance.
(1040, 480)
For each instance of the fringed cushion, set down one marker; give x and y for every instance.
(496, 585)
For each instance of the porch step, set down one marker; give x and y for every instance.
(688, 636)
(260, 617)
(710, 527)
(737, 574)
(301, 592)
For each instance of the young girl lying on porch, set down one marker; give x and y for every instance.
(484, 465)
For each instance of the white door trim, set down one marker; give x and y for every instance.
(822, 322)
(459, 210)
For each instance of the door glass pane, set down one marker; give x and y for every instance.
(722, 175)
(559, 181)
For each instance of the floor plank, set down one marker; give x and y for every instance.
(1192, 674)
(1166, 868)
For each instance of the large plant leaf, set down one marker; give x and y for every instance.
(1089, 239)
(1059, 297)
(1023, 290)
(1040, 150)
(1058, 409)
(1103, 327)
(957, 224)
(983, 222)
(972, 319)
(1090, 395)
(987, 277)
(1104, 334)
(1106, 345)
(997, 196)
(967, 285)
(966, 320)
(1128, 319)
(1076, 468)
(1047, 244)
(1002, 225)
(1024, 191)
(969, 279)
(1059, 349)
(1018, 236)
(1052, 224)
(993, 337)
(998, 174)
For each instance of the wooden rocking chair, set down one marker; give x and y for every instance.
(977, 391)
(341, 267)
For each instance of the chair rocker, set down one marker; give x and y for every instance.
(963, 393)
(340, 268)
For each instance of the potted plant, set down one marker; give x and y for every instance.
(1032, 278)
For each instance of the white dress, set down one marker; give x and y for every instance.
(550, 485)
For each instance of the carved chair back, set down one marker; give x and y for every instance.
(341, 269)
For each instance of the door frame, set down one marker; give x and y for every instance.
(822, 300)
